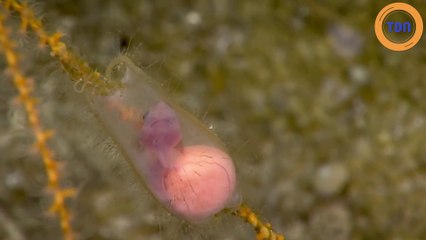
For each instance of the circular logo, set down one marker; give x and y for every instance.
(398, 26)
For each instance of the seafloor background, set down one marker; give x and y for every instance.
(327, 127)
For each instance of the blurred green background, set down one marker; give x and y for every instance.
(326, 126)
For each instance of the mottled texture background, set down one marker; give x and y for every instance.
(327, 127)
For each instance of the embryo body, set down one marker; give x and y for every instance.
(161, 133)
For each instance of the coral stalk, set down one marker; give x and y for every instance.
(24, 86)
(74, 65)
(263, 230)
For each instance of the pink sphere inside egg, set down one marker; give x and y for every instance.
(201, 182)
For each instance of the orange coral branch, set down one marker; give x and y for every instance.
(263, 230)
(25, 88)
(77, 68)
(81, 72)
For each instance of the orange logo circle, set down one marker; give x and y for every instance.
(397, 35)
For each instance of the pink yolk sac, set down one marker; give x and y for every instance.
(201, 183)
(194, 182)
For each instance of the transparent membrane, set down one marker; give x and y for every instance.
(183, 164)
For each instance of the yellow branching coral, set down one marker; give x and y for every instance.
(24, 86)
(263, 230)
(78, 69)
(87, 79)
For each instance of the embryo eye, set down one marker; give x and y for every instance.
(144, 116)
